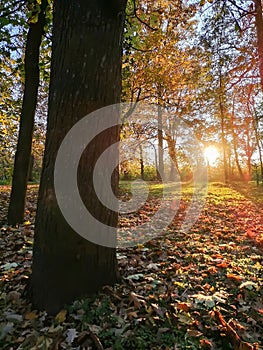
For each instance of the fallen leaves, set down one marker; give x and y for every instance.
(236, 341)
(61, 316)
(197, 290)
(234, 277)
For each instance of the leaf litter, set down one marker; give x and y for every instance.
(197, 290)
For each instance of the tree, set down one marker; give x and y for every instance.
(23, 151)
(85, 76)
(162, 62)
(259, 30)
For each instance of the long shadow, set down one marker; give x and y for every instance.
(249, 190)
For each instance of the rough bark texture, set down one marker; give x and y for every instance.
(259, 28)
(23, 151)
(85, 76)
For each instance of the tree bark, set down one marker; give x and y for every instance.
(24, 144)
(160, 145)
(234, 139)
(223, 126)
(141, 161)
(85, 76)
(171, 143)
(30, 168)
(259, 146)
(259, 29)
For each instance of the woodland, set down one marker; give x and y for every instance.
(198, 284)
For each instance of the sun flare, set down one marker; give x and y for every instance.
(211, 155)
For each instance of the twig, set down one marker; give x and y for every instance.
(139, 19)
(96, 341)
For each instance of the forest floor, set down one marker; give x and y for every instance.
(197, 290)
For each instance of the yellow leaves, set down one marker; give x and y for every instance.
(27, 223)
(203, 2)
(61, 316)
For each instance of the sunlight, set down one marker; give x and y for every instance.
(211, 155)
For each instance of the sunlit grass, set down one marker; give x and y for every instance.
(250, 190)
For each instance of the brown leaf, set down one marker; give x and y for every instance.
(137, 300)
(183, 306)
(30, 315)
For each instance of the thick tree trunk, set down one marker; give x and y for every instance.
(85, 76)
(23, 151)
(259, 29)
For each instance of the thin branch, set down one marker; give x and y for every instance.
(139, 19)
(132, 106)
(140, 50)
(236, 21)
(5, 12)
(233, 2)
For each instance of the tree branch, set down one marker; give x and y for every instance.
(7, 12)
(139, 19)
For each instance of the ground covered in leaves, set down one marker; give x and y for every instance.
(197, 290)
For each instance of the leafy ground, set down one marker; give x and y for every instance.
(197, 290)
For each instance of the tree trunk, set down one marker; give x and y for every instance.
(160, 145)
(257, 135)
(24, 144)
(259, 29)
(30, 168)
(171, 143)
(222, 121)
(237, 162)
(141, 161)
(85, 76)
(172, 176)
(234, 139)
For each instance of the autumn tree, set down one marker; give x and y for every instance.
(160, 63)
(85, 76)
(24, 145)
(11, 43)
